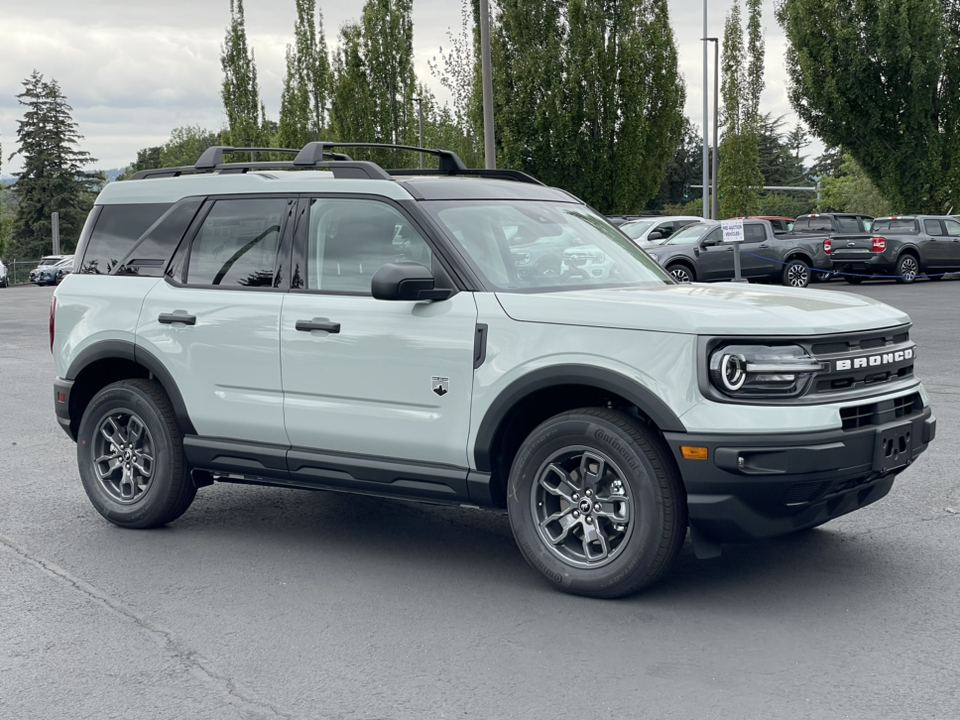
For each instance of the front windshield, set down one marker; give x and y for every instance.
(526, 245)
(635, 229)
(690, 235)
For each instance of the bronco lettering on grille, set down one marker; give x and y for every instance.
(874, 360)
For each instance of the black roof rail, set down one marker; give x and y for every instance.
(450, 163)
(352, 169)
(320, 155)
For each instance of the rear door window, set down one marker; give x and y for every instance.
(932, 227)
(896, 226)
(118, 228)
(754, 233)
(237, 244)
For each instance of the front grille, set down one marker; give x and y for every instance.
(802, 492)
(846, 359)
(880, 413)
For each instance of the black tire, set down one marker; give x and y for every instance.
(853, 279)
(682, 273)
(821, 277)
(796, 273)
(907, 269)
(169, 489)
(637, 481)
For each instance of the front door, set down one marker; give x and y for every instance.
(716, 257)
(368, 378)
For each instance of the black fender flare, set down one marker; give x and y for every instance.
(658, 411)
(126, 350)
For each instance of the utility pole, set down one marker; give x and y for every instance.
(489, 148)
(55, 228)
(419, 102)
(706, 122)
(715, 204)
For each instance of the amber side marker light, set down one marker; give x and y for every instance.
(694, 453)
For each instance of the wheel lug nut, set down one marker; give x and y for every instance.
(597, 507)
(576, 496)
(576, 514)
(589, 493)
(589, 521)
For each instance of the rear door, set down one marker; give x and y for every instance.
(935, 248)
(214, 321)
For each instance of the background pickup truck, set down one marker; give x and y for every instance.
(698, 253)
(840, 228)
(904, 247)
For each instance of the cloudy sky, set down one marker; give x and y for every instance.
(135, 69)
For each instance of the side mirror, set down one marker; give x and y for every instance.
(655, 235)
(405, 281)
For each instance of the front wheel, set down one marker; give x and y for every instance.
(596, 503)
(907, 269)
(796, 274)
(681, 273)
(130, 455)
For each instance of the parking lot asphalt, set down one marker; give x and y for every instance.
(273, 603)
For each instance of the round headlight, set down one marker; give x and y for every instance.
(733, 372)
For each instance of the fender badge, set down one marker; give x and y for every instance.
(440, 385)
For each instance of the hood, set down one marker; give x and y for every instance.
(707, 309)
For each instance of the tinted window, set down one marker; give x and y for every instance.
(349, 240)
(754, 233)
(953, 228)
(848, 224)
(634, 230)
(932, 227)
(150, 255)
(665, 229)
(689, 235)
(118, 228)
(815, 224)
(896, 226)
(713, 239)
(237, 244)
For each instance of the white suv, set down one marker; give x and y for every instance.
(327, 324)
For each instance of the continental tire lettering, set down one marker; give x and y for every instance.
(616, 445)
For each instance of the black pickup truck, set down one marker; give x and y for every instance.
(901, 246)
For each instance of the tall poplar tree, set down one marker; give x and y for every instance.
(240, 90)
(881, 79)
(374, 80)
(587, 96)
(306, 86)
(742, 83)
(53, 178)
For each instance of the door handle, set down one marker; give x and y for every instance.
(170, 318)
(308, 325)
(763, 246)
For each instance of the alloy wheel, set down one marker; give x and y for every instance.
(908, 269)
(583, 507)
(798, 276)
(123, 449)
(680, 274)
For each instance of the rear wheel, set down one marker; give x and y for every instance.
(130, 455)
(796, 273)
(681, 273)
(596, 504)
(907, 269)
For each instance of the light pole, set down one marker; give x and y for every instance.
(489, 149)
(706, 123)
(715, 205)
(419, 102)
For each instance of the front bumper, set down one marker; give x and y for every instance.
(760, 486)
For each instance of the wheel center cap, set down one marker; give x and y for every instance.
(585, 506)
(127, 455)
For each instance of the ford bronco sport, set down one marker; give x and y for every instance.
(326, 324)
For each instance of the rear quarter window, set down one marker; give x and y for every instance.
(896, 227)
(117, 228)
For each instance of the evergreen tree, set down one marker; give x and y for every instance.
(351, 102)
(240, 90)
(740, 178)
(881, 79)
(294, 130)
(52, 178)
